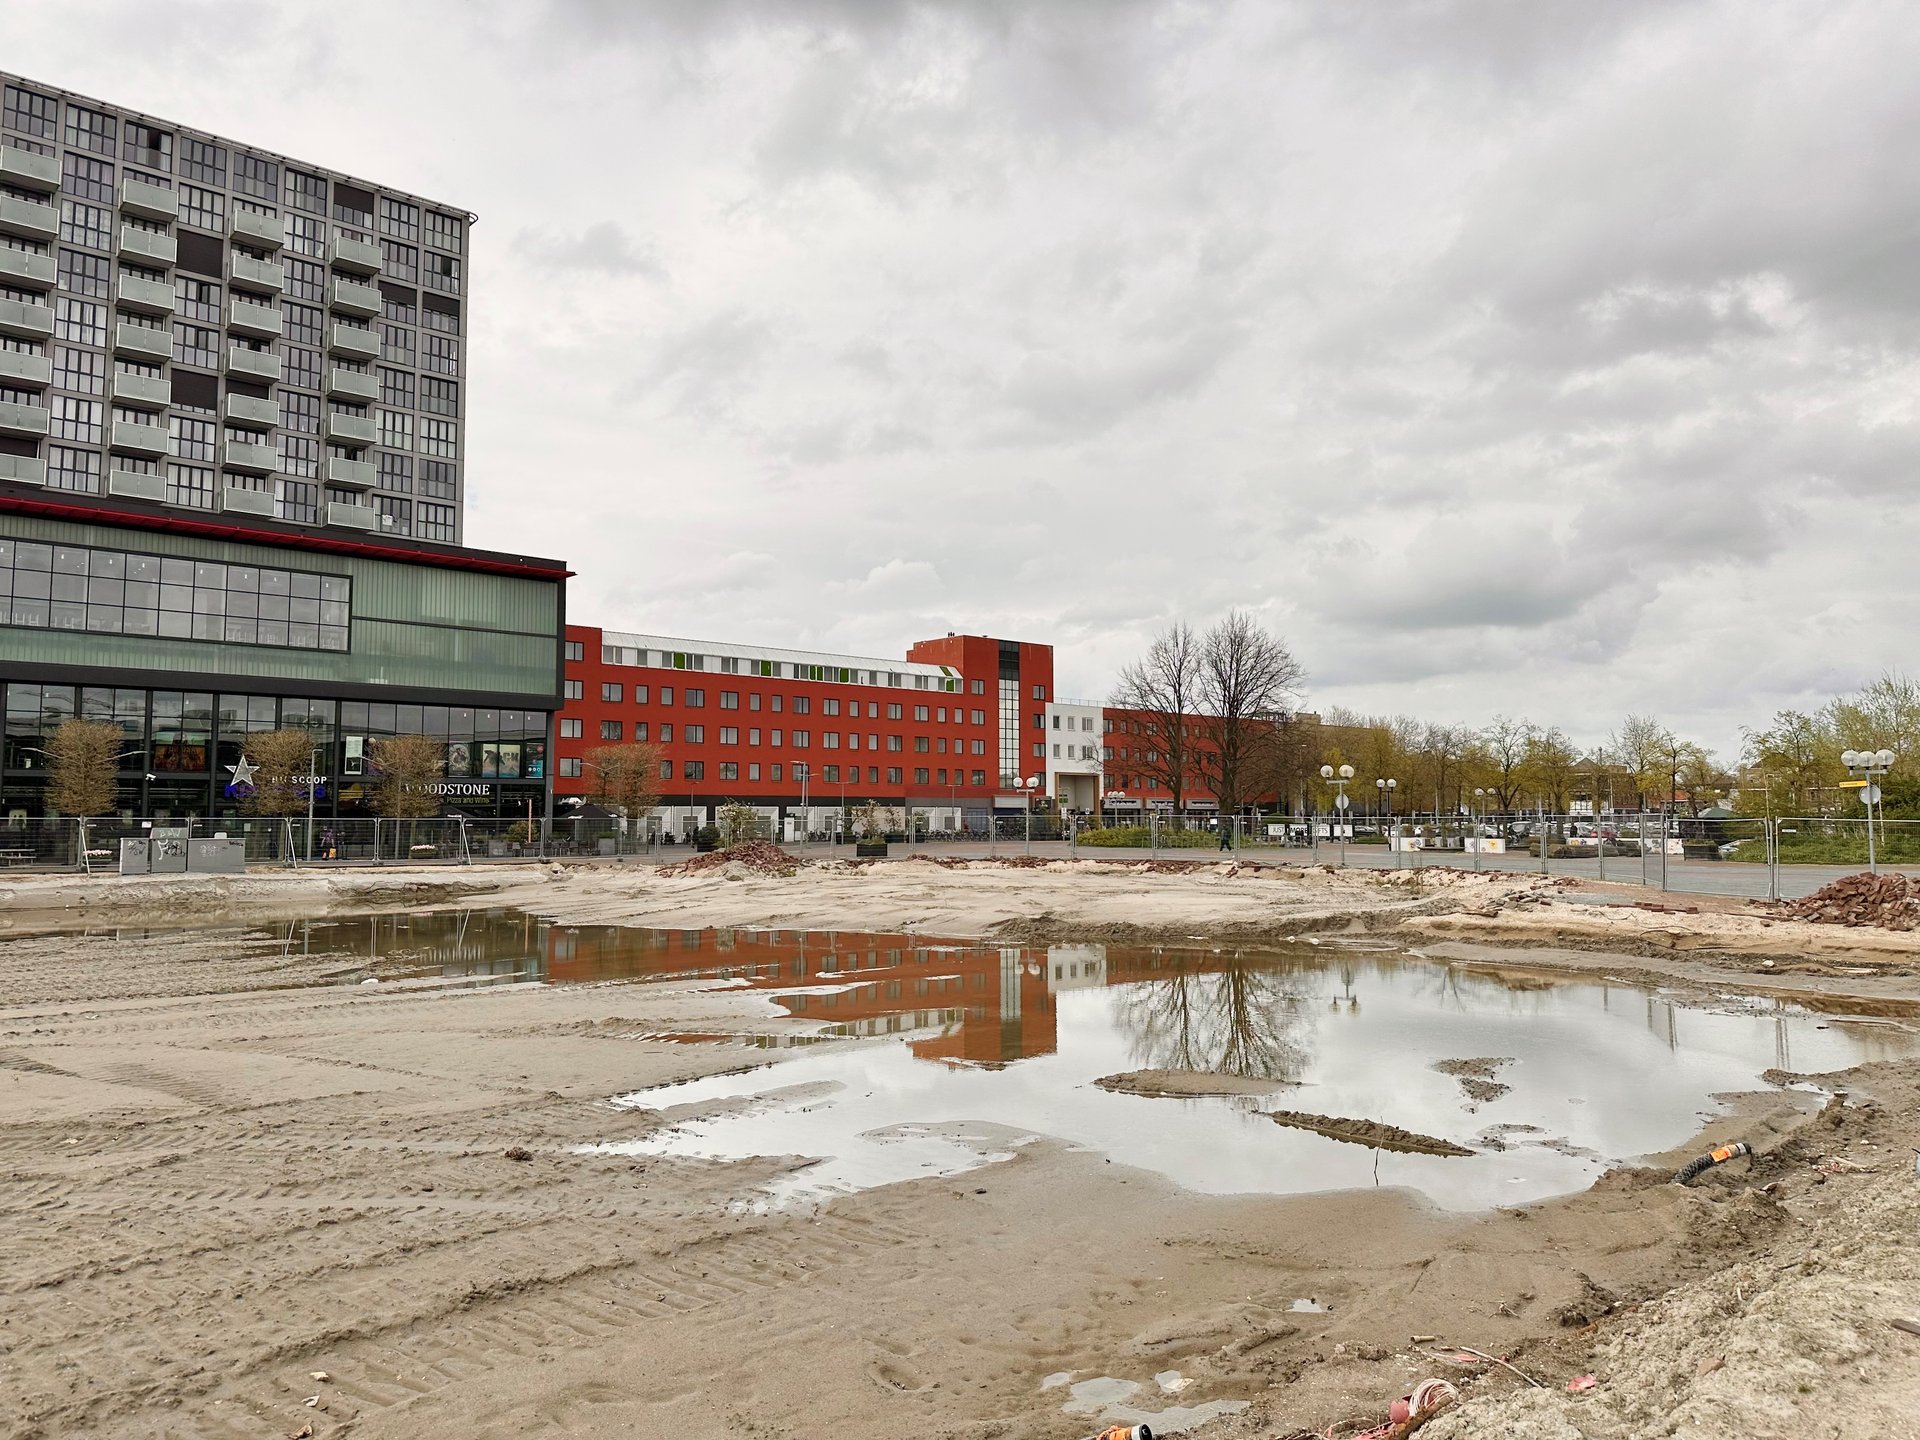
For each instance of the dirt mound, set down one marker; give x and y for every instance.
(1187, 1084)
(1476, 1076)
(1889, 902)
(762, 857)
(1372, 1133)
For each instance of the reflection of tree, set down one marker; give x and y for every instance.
(1241, 1019)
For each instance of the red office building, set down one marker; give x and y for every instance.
(950, 733)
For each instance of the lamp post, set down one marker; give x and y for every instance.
(801, 774)
(1479, 822)
(1383, 813)
(1869, 765)
(1027, 785)
(1338, 779)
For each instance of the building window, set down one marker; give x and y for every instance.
(305, 280)
(576, 650)
(256, 176)
(396, 472)
(571, 689)
(611, 730)
(75, 419)
(396, 343)
(729, 699)
(76, 470)
(301, 367)
(436, 522)
(307, 235)
(300, 412)
(446, 231)
(85, 274)
(203, 209)
(31, 113)
(441, 355)
(400, 218)
(696, 699)
(84, 178)
(83, 371)
(190, 485)
(570, 729)
(396, 514)
(399, 262)
(610, 692)
(299, 502)
(304, 323)
(569, 768)
(306, 192)
(203, 160)
(144, 145)
(191, 439)
(729, 735)
(440, 272)
(437, 437)
(90, 129)
(439, 397)
(197, 299)
(920, 776)
(447, 322)
(396, 429)
(89, 225)
(639, 694)
(197, 345)
(396, 387)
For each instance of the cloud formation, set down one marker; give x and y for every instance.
(1527, 357)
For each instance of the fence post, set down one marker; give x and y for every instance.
(1773, 858)
(1664, 817)
(1545, 869)
(1153, 834)
(1600, 842)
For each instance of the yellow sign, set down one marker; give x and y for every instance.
(1853, 784)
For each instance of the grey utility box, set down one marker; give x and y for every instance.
(133, 855)
(169, 855)
(217, 857)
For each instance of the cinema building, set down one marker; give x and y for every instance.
(232, 435)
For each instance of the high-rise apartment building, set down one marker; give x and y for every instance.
(202, 324)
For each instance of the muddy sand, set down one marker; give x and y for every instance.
(229, 1171)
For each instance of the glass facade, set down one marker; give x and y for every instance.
(181, 747)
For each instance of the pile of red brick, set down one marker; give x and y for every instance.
(1890, 902)
(760, 855)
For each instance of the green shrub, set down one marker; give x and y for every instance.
(1140, 837)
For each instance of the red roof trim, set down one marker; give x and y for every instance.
(325, 544)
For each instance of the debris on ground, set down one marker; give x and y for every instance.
(1476, 1076)
(1371, 1133)
(1890, 902)
(760, 857)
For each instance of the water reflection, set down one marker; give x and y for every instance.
(1239, 1016)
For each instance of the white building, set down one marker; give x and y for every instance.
(1074, 769)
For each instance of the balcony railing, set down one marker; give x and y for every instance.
(261, 365)
(27, 270)
(147, 297)
(29, 219)
(26, 319)
(140, 342)
(23, 469)
(148, 201)
(148, 247)
(149, 441)
(250, 227)
(142, 392)
(28, 170)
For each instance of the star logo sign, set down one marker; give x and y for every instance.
(243, 773)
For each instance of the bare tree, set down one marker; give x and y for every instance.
(1248, 683)
(83, 763)
(405, 770)
(626, 778)
(1505, 743)
(279, 758)
(1164, 688)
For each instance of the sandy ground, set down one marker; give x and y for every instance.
(224, 1171)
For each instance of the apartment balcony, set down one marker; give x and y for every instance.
(28, 170)
(148, 247)
(250, 227)
(26, 319)
(142, 392)
(269, 276)
(353, 517)
(258, 322)
(28, 372)
(237, 501)
(27, 270)
(351, 344)
(260, 365)
(23, 469)
(352, 385)
(29, 219)
(132, 485)
(148, 201)
(355, 257)
(147, 441)
(351, 474)
(24, 422)
(138, 342)
(351, 297)
(351, 429)
(251, 413)
(248, 458)
(146, 297)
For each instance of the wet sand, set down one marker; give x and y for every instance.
(228, 1169)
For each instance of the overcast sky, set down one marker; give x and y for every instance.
(1549, 358)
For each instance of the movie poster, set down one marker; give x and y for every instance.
(459, 760)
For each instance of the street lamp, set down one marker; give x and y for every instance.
(1869, 765)
(1027, 785)
(1338, 779)
(806, 819)
(1479, 822)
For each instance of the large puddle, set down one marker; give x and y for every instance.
(976, 1049)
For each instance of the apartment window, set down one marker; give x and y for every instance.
(85, 274)
(307, 235)
(729, 770)
(830, 740)
(569, 729)
(446, 231)
(694, 734)
(611, 730)
(640, 731)
(400, 262)
(729, 699)
(979, 777)
(695, 769)
(300, 412)
(396, 343)
(576, 650)
(396, 515)
(191, 439)
(190, 485)
(666, 694)
(753, 772)
(895, 742)
(978, 717)
(301, 366)
(832, 776)
(439, 397)
(920, 712)
(436, 522)
(84, 371)
(447, 322)
(441, 354)
(610, 692)
(299, 455)
(437, 437)
(729, 735)
(90, 129)
(396, 429)
(570, 689)
(921, 744)
(396, 472)
(832, 707)
(70, 469)
(89, 225)
(196, 345)
(977, 747)
(894, 712)
(400, 218)
(31, 113)
(696, 699)
(801, 705)
(440, 272)
(305, 280)
(978, 687)
(920, 776)
(85, 178)
(396, 387)
(203, 160)
(569, 768)
(639, 694)
(802, 739)
(307, 192)
(196, 299)
(203, 209)
(145, 145)
(399, 308)
(76, 419)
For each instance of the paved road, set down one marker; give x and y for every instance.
(1703, 877)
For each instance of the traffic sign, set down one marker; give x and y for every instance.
(1870, 795)
(1853, 784)
(1340, 801)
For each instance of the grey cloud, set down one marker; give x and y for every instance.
(603, 248)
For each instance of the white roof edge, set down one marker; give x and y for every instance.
(765, 652)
